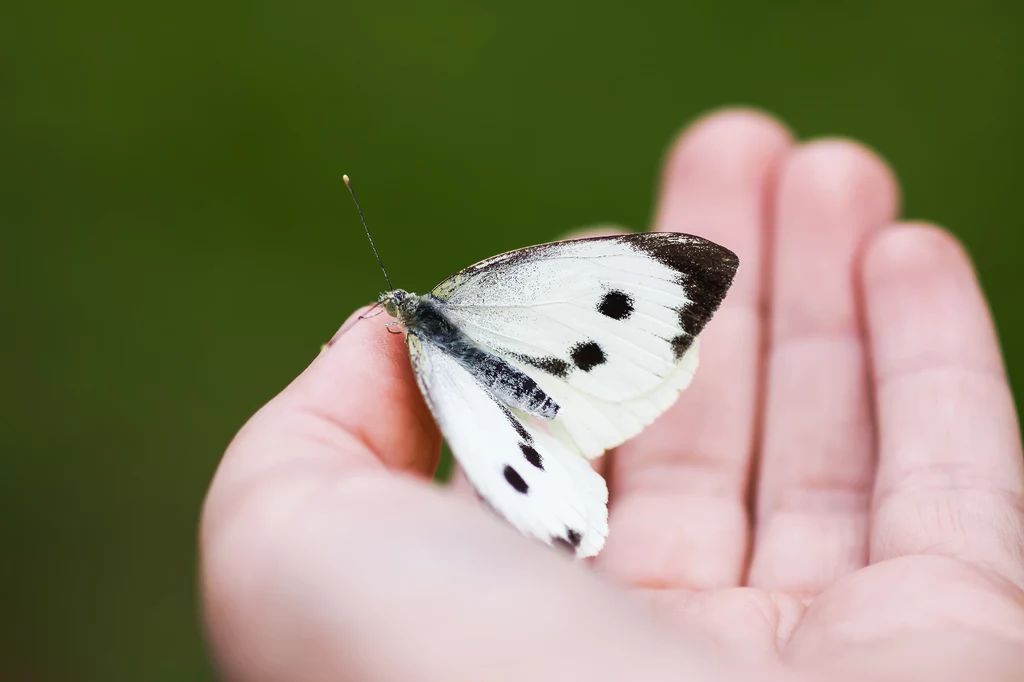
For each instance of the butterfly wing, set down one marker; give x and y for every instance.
(528, 476)
(606, 326)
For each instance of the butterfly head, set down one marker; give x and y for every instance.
(394, 301)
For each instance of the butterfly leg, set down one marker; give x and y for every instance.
(389, 326)
(370, 313)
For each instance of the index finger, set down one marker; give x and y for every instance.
(355, 405)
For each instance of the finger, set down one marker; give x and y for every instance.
(319, 564)
(817, 460)
(336, 406)
(330, 418)
(950, 471)
(678, 515)
(326, 425)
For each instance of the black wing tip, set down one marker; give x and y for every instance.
(669, 247)
(678, 250)
(666, 243)
(706, 271)
(726, 261)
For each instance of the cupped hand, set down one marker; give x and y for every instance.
(838, 495)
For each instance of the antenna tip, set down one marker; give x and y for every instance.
(345, 178)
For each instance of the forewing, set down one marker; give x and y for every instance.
(606, 326)
(527, 475)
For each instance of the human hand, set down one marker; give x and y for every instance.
(838, 494)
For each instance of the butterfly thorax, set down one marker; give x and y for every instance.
(425, 317)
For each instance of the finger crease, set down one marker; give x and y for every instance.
(886, 380)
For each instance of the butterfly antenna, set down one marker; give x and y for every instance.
(348, 183)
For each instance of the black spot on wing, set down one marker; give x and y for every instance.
(680, 344)
(515, 480)
(574, 537)
(587, 355)
(617, 305)
(705, 270)
(553, 366)
(516, 424)
(570, 542)
(532, 456)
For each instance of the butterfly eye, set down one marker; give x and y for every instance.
(392, 301)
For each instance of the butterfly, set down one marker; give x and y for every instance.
(535, 361)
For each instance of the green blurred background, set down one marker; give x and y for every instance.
(177, 242)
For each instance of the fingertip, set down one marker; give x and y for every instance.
(357, 403)
(364, 382)
(365, 333)
(843, 175)
(736, 123)
(360, 314)
(731, 144)
(924, 303)
(912, 247)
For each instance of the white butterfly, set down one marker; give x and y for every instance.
(537, 360)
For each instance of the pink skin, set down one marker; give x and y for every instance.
(852, 382)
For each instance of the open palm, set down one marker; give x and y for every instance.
(839, 494)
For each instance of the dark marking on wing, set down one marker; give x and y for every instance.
(532, 456)
(705, 269)
(693, 316)
(551, 365)
(680, 344)
(516, 424)
(515, 480)
(617, 305)
(570, 542)
(587, 355)
(574, 537)
(686, 254)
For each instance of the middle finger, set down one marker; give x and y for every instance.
(817, 458)
(678, 516)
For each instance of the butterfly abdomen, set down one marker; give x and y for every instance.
(424, 316)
